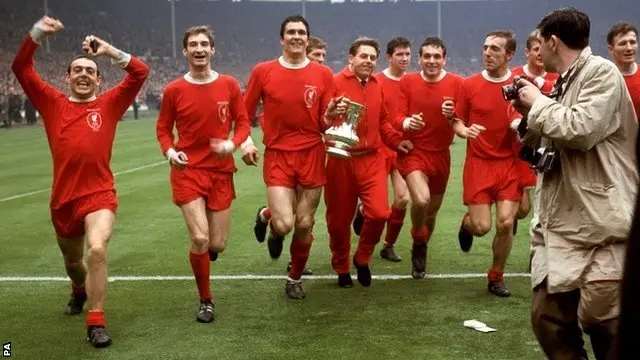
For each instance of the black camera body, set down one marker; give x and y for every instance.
(542, 159)
(510, 91)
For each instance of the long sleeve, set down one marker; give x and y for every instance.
(463, 107)
(325, 100)
(165, 122)
(38, 91)
(590, 120)
(253, 93)
(402, 106)
(242, 125)
(390, 136)
(123, 95)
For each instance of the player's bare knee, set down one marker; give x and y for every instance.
(401, 201)
(504, 226)
(282, 225)
(480, 227)
(73, 264)
(305, 223)
(523, 212)
(97, 253)
(218, 243)
(200, 240)
(421, 201)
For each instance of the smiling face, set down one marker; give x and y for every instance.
(294, 39)
(432, 61)
(198, 51)
(624, 48)
(364, 61)
(83, 78)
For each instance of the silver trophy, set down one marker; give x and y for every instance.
(342, 137)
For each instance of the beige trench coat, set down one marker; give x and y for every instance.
(585, 204)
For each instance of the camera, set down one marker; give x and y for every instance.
(542, 159)
(510, 91)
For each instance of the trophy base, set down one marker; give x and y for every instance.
(337, 152)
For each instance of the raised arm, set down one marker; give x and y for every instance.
(122, 95)
(37, 90)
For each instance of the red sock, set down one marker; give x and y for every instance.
(299, 255)
(266, 214)
(420, 237)
(394, 226)
(78, 290)
(200, 266)
(369, 238)
(495, 275)
(95, 318)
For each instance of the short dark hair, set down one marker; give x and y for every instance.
(533, 37)
(570, 25)
(509, 36)
(435, 42)
(294, 18)
(195, 30)
(364, 41)
(620, 28)
(83, 57)
(315, 43)
(397, 42)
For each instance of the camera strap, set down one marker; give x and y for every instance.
(573, 72)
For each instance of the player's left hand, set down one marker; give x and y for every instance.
(528, 93)
(221, 147)
(405, 146)
(101, 47)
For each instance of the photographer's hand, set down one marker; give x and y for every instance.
(528, 94)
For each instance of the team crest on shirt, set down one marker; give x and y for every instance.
(94, 120)
(310, 95)
(223, 110)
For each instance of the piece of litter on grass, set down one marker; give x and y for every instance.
(478, 326)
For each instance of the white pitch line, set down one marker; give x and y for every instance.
(116, 174)
(253, 277)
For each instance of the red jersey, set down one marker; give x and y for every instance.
(633, 85)
(546, 82)
(420, 96)
(295, 98)
(391, 90)
(80, 134)
(374, 128)
(484, 104)
(202, 110)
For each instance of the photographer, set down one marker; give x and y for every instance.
(586, 192)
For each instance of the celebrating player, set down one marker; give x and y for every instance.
(426, 108)
(316, 51)
(363, 174)
(203, 105)
(297, 95)
(81, 129)
(398, 56)
(490, 171)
